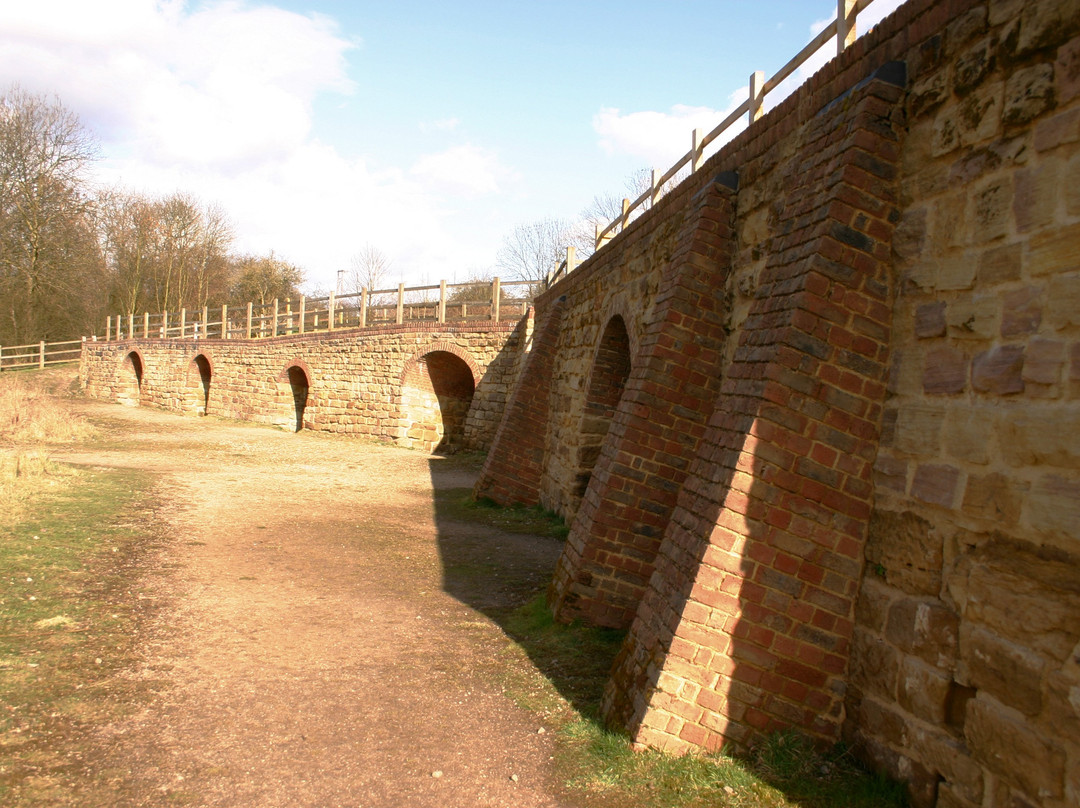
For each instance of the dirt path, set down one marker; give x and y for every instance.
(307, 650)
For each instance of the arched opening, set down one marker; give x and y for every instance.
(298, 384)
(198, 397)
(436, 393)
(129, 392)
(610, 370)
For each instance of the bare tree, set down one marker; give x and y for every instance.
(368, 269)
(534, 249)
(607, 208)
(261, 278)
(50, 268)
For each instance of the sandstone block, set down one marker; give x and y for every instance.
(1057, 130)
(972, 67)
(999, 371)
(978, 116)
(935, 484)
(1000, 264)
(1022, 597)
(994, 497)
(1022, 311)
(945, 136)
(1044, 361)
(922, 690)
(928, 93)
(918, 429)
(930, 320)
(1045, 25)
(874, 664)
(1067, 71)
(950, 757)
(976, 317)
(890, 472)
(1055, 251)
(992, 209)
(1010, 672)
(1063, 309)
(945, 371)
(957, 271)
(968, 433)
(1053, 506)
(925, 628)
(1028, 93)
(1003, 740)
(1044, 436)
(909, 550)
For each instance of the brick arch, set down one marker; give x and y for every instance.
(631, 317)
(608, 374)
(196, 395)
(131, 374)
(293, 396)
(435, 393)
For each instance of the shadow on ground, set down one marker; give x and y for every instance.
(500, 561)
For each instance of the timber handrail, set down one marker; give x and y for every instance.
(39, 354)
(843, 28)
(444, 302)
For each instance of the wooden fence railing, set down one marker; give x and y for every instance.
(843, 28)
(445, 302)
(39, 354)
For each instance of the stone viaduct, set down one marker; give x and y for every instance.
(813, 418)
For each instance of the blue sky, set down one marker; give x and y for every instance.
(427, 129)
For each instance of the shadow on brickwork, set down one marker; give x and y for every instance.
(499, 560)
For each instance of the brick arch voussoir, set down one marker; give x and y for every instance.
(618, 307)
(283, 376)
(205, 354)
(433, 347)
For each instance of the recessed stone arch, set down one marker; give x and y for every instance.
(293, 396)
(197, 384)
(130, 381)
(437, 387)
(607, 380)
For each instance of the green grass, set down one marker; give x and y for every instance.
(600, 768)
(69, 610)
(515, 518)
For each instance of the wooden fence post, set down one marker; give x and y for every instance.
(206, 322)
(442, 301)
(571, 259)
(303, 312)
(400, 303)
(274, 334)
(248, 336)
(845, 24)
(183, 322)
(41, 354)
(224, 320)
(330, 312)
(495, 295)
(655, 187)
(146, 325)
(288, 316)
(164, 324)
(698, 157)
(108, 328)
(625, 212)
(363, 307)
(131, 325)
(757, 97)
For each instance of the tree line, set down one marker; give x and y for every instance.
(71, 254)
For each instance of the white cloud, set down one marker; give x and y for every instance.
(462, 169)
(661, 138)
(217, 100)
(441, 125)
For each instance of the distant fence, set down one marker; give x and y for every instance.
(445, 302)
(843, 28)
(39, 354)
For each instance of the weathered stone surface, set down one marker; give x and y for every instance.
(978, 117)
(930, 320)
(1063, 308)
(955, 272)
(945, 372)
(1054, 251)
(918, 429)
(992, 209)
(1000, 264)
(1044, 361)
(975, 317)
(1054, 506)
(1047, 436)
(948, 755)
(925, 628)
(968, 434)
(1002, 740)
(1011, 673)
(1043, 25)
(994, 497)
(1067, 71)
(936, 484)
(1021, 311)
(908, 549)
(999, 370)
(1028, 93)
(922, 690)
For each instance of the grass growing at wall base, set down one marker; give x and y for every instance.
(69, 606)
(602, 769)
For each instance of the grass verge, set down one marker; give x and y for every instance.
(69, 609)
(601, 769)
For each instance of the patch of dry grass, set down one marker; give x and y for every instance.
(33, 419)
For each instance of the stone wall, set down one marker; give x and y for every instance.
(419, 385)
(841, 487)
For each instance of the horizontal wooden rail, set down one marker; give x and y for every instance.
(843, 28)
(444, 302)
(39, 354)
